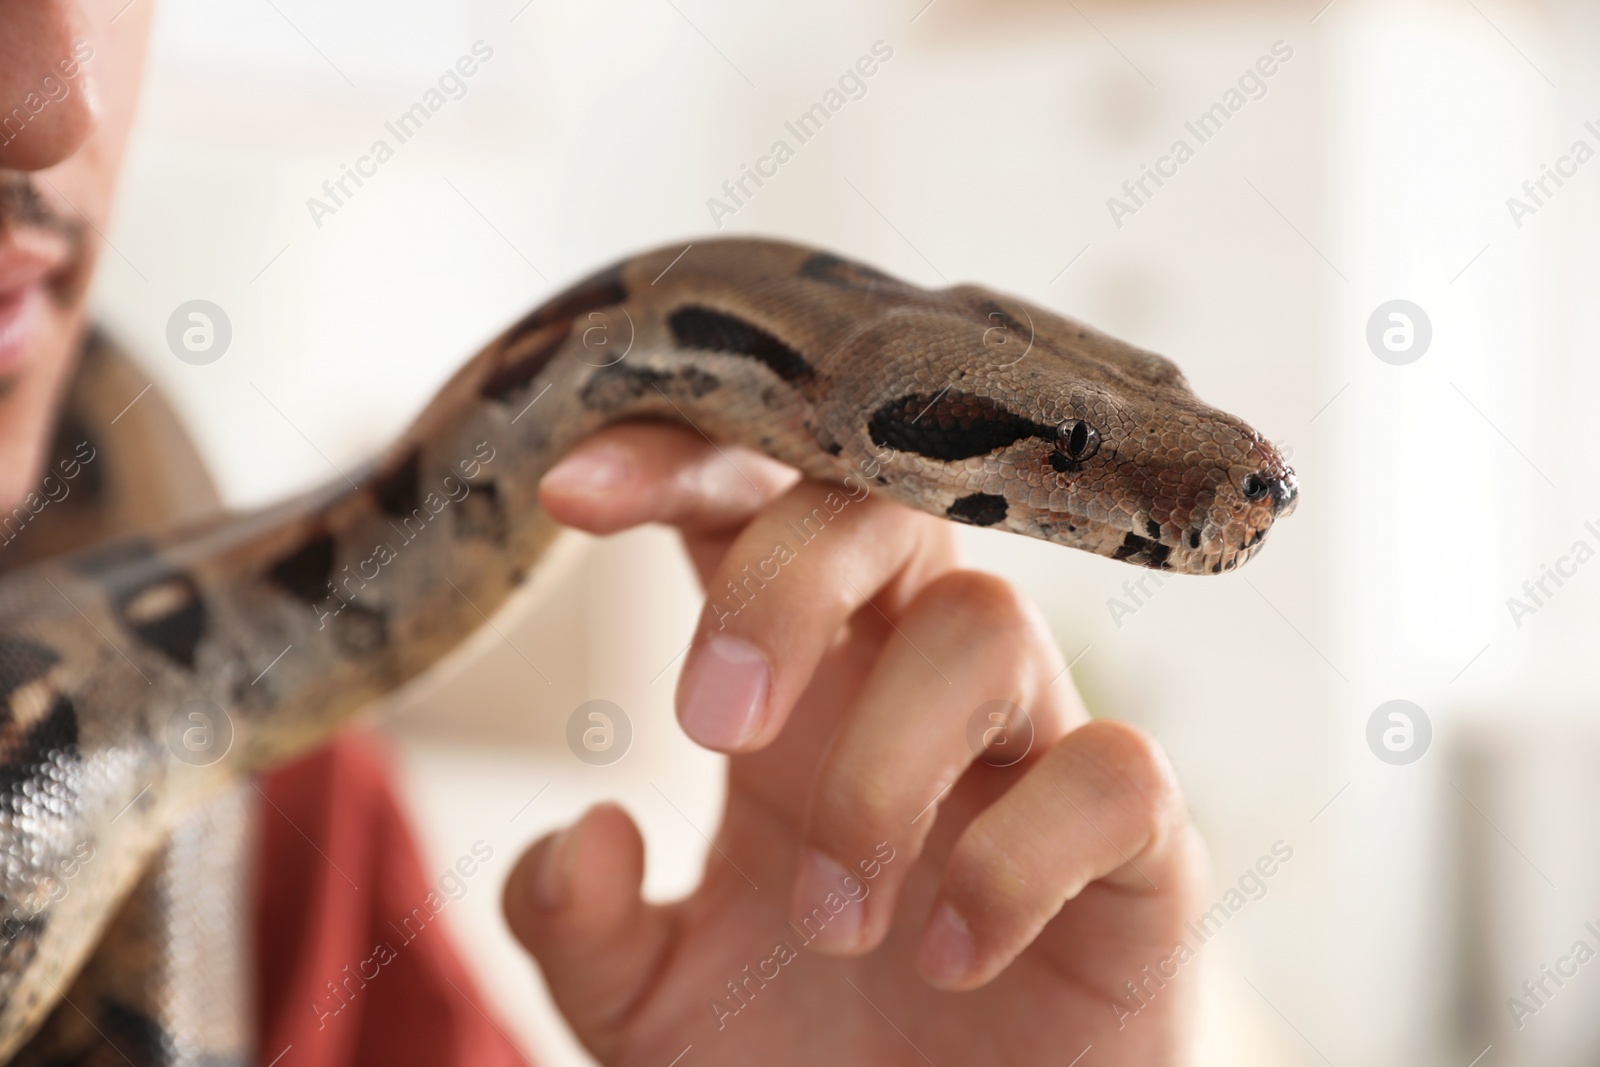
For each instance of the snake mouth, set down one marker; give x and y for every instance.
(1206, 548)
(1191, 551)
(1210, 528)
(1233, 559)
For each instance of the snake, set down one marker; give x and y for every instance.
(963, 402)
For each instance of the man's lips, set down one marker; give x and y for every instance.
(28, 260)
(20, 313)
(29, 255)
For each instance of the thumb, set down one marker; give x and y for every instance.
(573, 901)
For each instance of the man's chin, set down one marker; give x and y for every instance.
(29, 402)
(45, 261)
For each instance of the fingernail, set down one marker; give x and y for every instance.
(725, 693)
(554, 871)
(947, 947)
(819, 879)
(588, 473)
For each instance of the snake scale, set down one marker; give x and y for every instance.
(961, 402)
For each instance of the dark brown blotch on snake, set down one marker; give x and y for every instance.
(480, 513)
(846, 274)
(396, 489)
(307, 571)
(167, 613)
(979, 509)
(950, 425)
(529, 345)
(716, 331)
(612, 387)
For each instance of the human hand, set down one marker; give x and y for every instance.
(945, 909)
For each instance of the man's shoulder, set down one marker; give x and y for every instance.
(121, 462)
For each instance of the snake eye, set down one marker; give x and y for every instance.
(1254, 487)
(1077, 440)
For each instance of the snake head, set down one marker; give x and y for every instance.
(1140, 470)
(981, 407)
(1082, 440)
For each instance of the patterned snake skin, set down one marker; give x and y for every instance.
(250, 639)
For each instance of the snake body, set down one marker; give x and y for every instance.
(961, 402)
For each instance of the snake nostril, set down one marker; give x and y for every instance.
(1282, 488)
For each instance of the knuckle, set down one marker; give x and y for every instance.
(754, 592)
(981, 602)
(985, 869)
(721, 491)
(984, 850)
(1129, 769)
(852, 807)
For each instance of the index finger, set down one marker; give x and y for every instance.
(640, 472)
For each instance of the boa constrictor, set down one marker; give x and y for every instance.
(961, 402)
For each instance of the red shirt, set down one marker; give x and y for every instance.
(352, 966)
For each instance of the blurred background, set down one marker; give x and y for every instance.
(1428, 882)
